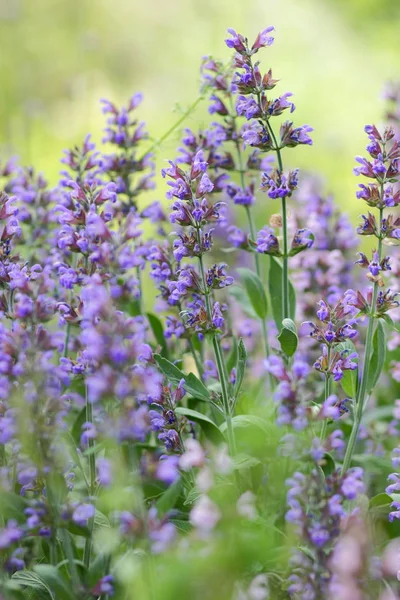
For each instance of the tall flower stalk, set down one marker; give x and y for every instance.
(193, 209)
(384, 170)
(218, 78)
(254, 104)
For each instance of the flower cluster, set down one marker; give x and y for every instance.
(135, 437)
(290, 394)
(317, 508)
(333, 335)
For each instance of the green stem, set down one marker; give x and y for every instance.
(220, 363)
(92, 483)
(66, 340)
(252, 232)
(67, 546)
(326, 395)
(173, 127)
(361, 395)
(139, 278)
(285, 258)
(199, 366)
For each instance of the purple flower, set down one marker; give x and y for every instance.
(104, 586)
(83, 513)
(167, 469)
(237, 237)
(217, 106)
(263, 39)
(237, 42)
(267, 243)
(248, 107)
(10, 534)
(217, 317)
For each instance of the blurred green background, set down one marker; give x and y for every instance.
(58, 57)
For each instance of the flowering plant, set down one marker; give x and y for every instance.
(244, 421)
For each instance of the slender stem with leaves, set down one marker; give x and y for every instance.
(362, 390)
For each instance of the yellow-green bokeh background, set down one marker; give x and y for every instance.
(59, 56)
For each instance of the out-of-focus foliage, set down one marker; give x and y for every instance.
(59, 56)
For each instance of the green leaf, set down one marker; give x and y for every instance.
(168, 499)
(299, 249)
(98, 568)
(192, 496)
(231, 361)
(31, 580)
(53, 580)
(255, 291)
(380, 500)
(133, 308)
(12, 591)
(288, 338)
(193, 385)
(184, 526)
(241, 367)
(196, 387)
(241, 421)
(389, 321)
(275, 292)
(158, 331)
(76, 529)
(376, 414)
(241, 297)
(378, 356)
(328, 465)
(211, 430)
(76, 431)
(100, 520)
(12, 506)
(244, 461)
(349, 381)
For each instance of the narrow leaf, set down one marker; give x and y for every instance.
(378, 356)
(241, 298)
(168, 499)
(231, 361)
(31, 580)
(193, 385)
(389, 321)
(241, 421)
(183, 526)
(328, 465)
(241, 367)
(211, 430)
(244, 461)
(158, 331)
(12, 506)
(53, 579)
(255, 291)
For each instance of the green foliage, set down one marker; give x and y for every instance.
(240, 366)
(168, 499)
(193, 385)
(349, 381)
(275, 292)
(378, 356)
(288, 338)
(255, 291)
(158, 331)
(208, 426)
